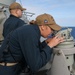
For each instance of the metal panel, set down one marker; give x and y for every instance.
(7, 2)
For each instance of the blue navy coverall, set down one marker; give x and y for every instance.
(11, 23)
(25, 46)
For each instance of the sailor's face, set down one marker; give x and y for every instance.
(19, 12)
(47, 31)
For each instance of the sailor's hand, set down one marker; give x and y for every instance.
(55, 41)
(48, 40)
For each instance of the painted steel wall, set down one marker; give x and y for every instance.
(7, 2)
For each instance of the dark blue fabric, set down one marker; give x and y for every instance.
(11, 23)
(26, 47)
(10, 70)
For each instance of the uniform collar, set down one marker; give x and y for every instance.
(13, 16)
(36, 27)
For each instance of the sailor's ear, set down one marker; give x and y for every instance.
(43, 27)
